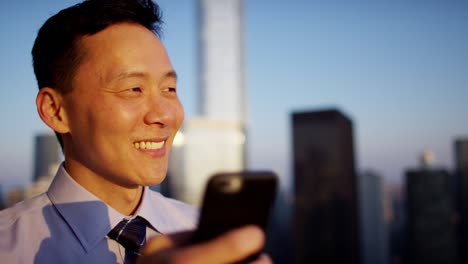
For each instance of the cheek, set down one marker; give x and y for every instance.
(114, 117)
(179, 109)
(82, 118)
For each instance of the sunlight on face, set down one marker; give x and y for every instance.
(123, 111)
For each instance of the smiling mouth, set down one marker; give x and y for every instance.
(148, 145)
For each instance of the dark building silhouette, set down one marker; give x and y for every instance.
(431, 225)
(46, 154)
(278, 236)
(397, 229)
(2, 203)
(461, 179)
(325, 225)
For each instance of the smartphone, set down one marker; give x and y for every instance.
(233, 200)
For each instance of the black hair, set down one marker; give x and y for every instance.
(57, 52)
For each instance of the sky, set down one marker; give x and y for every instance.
(398, 69)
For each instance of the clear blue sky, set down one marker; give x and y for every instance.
(398, 68)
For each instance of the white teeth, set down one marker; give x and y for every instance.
(148, 145)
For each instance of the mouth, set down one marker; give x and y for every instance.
(150, 145)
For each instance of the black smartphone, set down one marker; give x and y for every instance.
(233, 200)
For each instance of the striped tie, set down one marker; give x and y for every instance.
(131, 234)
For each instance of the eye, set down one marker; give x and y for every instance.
(135, 89)
(133, 92)
(171, 89)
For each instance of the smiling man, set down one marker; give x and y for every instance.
(109, 91)
(120, 118)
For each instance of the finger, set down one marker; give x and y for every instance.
(181, 238)
(262, 259)
(233, 246)
(157, 243)
(162, 242)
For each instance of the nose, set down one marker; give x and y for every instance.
(159, 112)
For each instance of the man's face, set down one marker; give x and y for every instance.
(123, 111)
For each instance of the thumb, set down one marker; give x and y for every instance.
(158, 243)
(163, 242)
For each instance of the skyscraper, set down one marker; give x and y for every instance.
(278, 244)
(461, 175)
(325, 219)
(2, 203)
(214, 140)
(431, 229)
(221, 57)
(374, 233)
(46, 155)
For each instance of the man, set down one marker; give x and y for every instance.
(108, 90)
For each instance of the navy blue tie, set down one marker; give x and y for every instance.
(131, 234)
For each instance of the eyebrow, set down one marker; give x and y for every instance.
(170, 74)
(130, 74)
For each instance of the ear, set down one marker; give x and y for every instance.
(49, 105)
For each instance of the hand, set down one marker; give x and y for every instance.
(230, 247)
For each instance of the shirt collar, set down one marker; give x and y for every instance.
(146, 209)
(166, 215)
(89, 218)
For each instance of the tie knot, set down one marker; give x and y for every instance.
(130, 233)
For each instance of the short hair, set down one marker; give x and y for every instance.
(57, 52)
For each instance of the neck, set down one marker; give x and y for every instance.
(123, 199)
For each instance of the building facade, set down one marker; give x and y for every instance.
(431, 225)
(461, 190)
(374, 232)
(214, 140)
(46, 155)
(325, 225)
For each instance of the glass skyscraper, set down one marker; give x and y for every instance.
(325, 218)
(214, 140)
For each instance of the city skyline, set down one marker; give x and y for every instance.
(397, 69)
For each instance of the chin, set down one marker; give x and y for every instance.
(153, 180)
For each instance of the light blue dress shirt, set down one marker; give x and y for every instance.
(68, 224)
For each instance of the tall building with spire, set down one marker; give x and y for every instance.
(214, 140)
(221, 57)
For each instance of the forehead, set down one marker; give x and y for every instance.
(121, 48)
